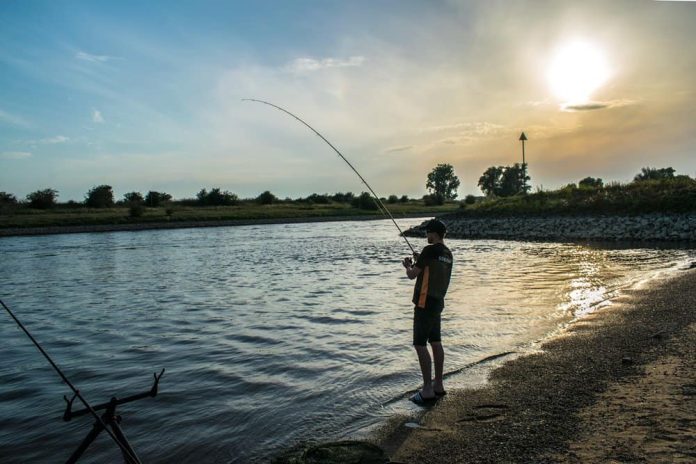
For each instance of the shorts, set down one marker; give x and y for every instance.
(426, 326)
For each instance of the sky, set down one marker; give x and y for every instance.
(148, 95)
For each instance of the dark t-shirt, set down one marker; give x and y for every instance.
(435, 262)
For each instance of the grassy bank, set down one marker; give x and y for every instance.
(65, 216)
(676, 195)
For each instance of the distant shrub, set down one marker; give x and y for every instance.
(347, 197)
(654, 174)
(469, 199)
(318, 199)
(266, 198)
(403, 199)
(590, 182)
(216, 197)
(43, 199)
(365, 201)
(136, 209)
(7, 199)
(101, 196)
(154, 199)
(392, 199)
(433, 200)
(133, 197)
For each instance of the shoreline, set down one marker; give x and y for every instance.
(96, 228)
(614, 385)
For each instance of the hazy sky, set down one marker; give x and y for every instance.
(147, 95)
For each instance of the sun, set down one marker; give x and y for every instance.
(577, 69)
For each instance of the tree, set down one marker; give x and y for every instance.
(654, 174)
(154, 199)
(100, 197)
(514, 181)
(133, 198)
(442, 181)
(43, 199)
(7, 199)
(504, 181)
(490, 180)
(591, 182)
(392, 199)
(266, 198)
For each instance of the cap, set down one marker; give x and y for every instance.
(435, 225)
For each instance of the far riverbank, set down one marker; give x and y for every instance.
(78, 229)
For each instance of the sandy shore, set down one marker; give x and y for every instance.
(618, 386)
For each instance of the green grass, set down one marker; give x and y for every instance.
(23, 217)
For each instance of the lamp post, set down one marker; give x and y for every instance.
(523, 138)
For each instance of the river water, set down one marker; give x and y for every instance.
(270, 335)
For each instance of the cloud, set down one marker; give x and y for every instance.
(56, 139)
(97, 117)
(591, 106)
(311, 64)
(397, 149)
(466, 128)
(94, 58)
(12, 119)
(15, 155)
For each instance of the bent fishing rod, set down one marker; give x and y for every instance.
(124, 449)
(378, 202)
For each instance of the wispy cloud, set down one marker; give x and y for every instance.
(84, 56)
(15, 155)
(56, 139)
(97, 117)
(397, 149)
(12, 119)
(311, 64)
(591, 106)
(466, 130)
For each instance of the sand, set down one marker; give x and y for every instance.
(617, 386)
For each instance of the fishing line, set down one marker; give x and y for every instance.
(69, 384)
(378, 202)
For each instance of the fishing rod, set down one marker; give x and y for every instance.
(128, 454)
(378, 202)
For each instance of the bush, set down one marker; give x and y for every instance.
(154, 199)
(7, 199)
(469, 200)
(365, 201)
(136, 209)
(217, 198)
(590, 182)
(347, 197)
(318, 199)
(100, 197)
(404, 199)
(266, 198)
(433, 200)
(133, 197)
(392, 199)
(43, 199)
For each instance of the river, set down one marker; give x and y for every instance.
(271, 335)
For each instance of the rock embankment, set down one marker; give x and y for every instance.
(647, 227)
